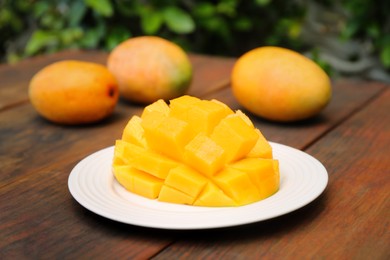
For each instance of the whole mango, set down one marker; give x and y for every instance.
(279, 84)
(149, 68)
(74, 92)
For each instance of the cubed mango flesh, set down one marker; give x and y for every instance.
(168, 136)
(195, 152)
(204, 155)
(186, 180)
(138, 182)
(235, 136)
(201, 115)
(134, 132)
(264, 173)
(172, 195)
(237, 185)
(146, 160)
(262, 148)
(212, 196)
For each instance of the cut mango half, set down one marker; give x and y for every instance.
(195, 152)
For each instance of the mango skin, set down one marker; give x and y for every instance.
(279, 84)
(73, 92)
(149, 68)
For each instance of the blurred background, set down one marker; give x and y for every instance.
(346, 37)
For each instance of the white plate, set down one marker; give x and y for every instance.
(92, 184)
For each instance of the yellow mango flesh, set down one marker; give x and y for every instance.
(262, 148)
(204, 155)
(186, 180)
(167, 135)
(138, 182)
(195, 152)
(264, 174)
(201, 115)
(146, 160)
(134, 132)
(235, 136)
(212, 196)
(237, 185)
(172, 195)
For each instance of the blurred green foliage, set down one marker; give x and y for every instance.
(220, 27)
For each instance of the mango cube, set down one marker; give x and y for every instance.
(148, 161)
(134, 132)
(159, 106)
(172, 195)
(168, 135)
(204, 155)
(201, 115)
(138, 182)
(179, 106)
(195, 152)
(235, 136)
(118, 153)
(237, 185)
(212, 196)
(186, 180)
(206, 115)
(262, 148)
(264, 174)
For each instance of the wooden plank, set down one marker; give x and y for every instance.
(349, 221)
(40, 220)
(212, 74)
(30, 143)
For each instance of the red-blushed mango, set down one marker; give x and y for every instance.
(280, 84)
(74, 92)
(149, 68)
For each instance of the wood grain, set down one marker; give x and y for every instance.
(40, 219)
(350, 221)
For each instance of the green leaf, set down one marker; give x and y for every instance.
(243, 24)
(228, 8)
(92, 36)
(294, 30)
(385, 56)
(178, 20)
(103, 7)
(39, 40)
(349, 30)
(40, 8)
(116, 36)
(70, 35)
(262, 2)
(76, 13)
(204, 10)
(151, 21)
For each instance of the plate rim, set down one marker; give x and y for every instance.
(75, 192)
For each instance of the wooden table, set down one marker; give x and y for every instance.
(39, 218)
